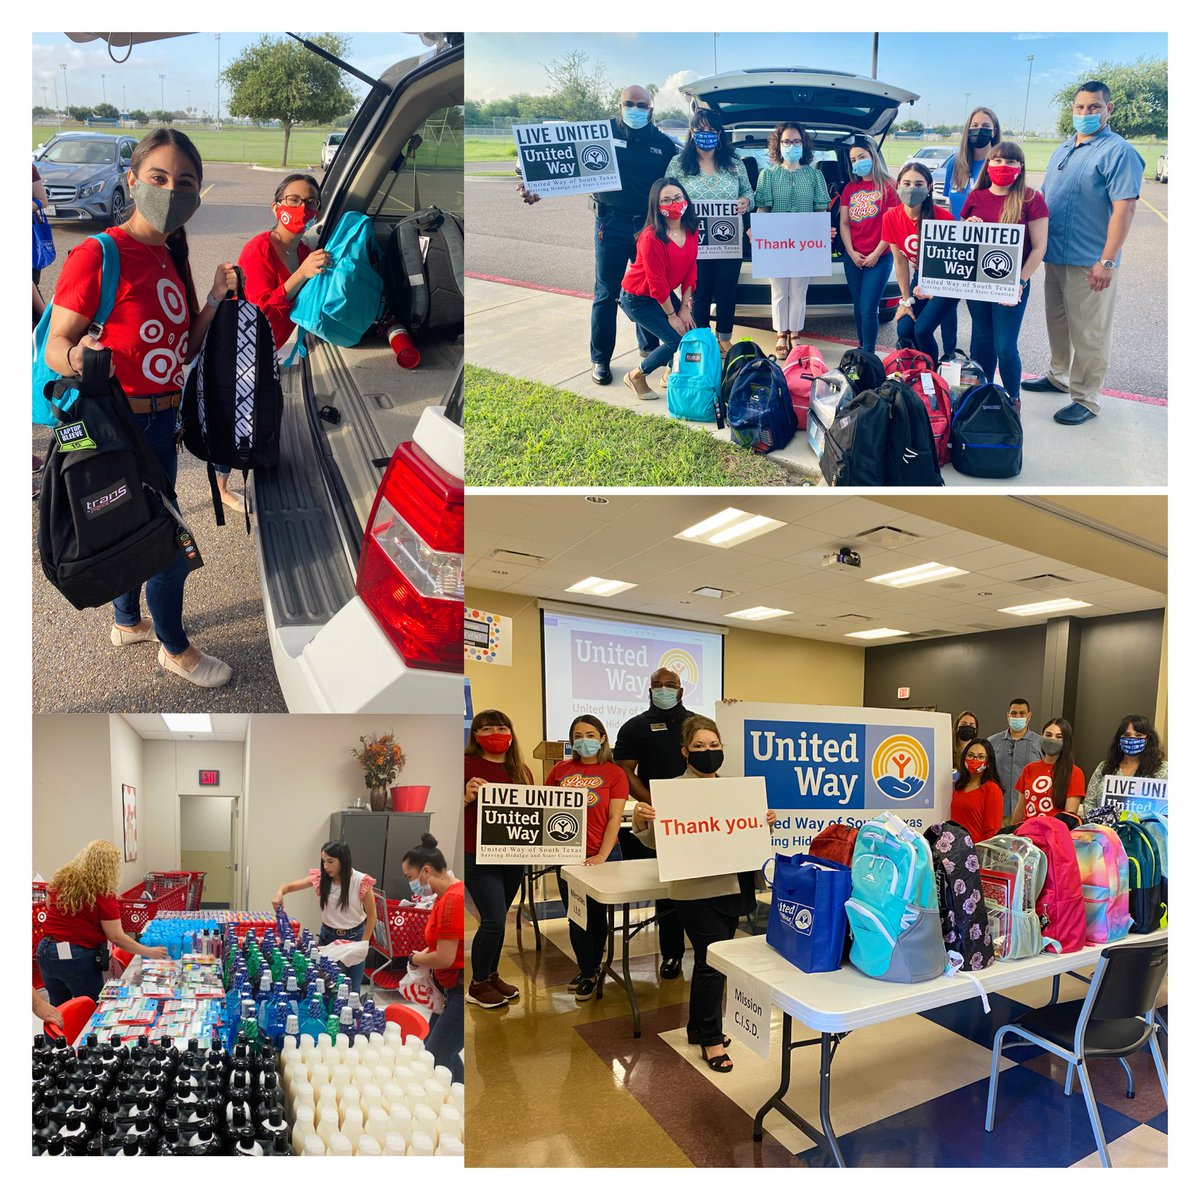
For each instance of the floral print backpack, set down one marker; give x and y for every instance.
(960, 895)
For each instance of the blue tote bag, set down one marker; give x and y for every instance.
(807, 924)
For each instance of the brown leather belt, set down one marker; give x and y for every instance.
(154, 404)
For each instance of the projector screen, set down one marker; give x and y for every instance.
(602, 665)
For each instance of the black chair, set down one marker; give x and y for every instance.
(1116, 1018)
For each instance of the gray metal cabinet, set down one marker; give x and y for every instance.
(378, 842)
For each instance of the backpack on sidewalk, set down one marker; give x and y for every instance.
(232, 401)
(760, 414)
(804, 364)
(738, 356)
(893, 909)
(856, 443)
(905, 359)
(1013, 871)
(108, 519)
(863, 369)
(1104, 871)
(934, 393)
(960, 895)
(694, 387)
(985, 434)
(911, 457)
(1059, 905)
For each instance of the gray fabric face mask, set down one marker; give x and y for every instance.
(163, 209)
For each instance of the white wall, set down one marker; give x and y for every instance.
(204, 823)
(125, 767)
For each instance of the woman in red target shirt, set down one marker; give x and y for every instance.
(591, 766)
(155, 328)
(1054, 784)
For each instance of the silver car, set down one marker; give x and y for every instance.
(85, 176)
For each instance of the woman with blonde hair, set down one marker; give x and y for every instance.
(82, 917)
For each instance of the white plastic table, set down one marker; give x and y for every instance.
(835, 1002)
(625, 884)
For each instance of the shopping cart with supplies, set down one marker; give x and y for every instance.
(399, 931)
(141, 903)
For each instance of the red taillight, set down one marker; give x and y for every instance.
(410, 572)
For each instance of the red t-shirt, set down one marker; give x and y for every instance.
(478, 768)
(865, 206)
(1035, 789)
(147, 329)
(980, 811)
(266, 273)
(661, 267)
(899, 229)
(445, 924)
(985, 204)
(605, 783)
(81, 928)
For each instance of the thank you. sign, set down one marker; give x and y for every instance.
(720, 228)
(972, 260)
(709, 826)
(783, 245)
(1138, 795)
(561, 158)
(521, 823)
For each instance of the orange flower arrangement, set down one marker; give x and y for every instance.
(381, 759)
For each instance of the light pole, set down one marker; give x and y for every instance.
(45, 100)
(1025, 118)
(103, 93)
(218, 37)
(54, 81)
(66, 94)
(715, 36)
(874, 56)
(124, 106)
(189, 92)
(161, 101)
(966, 106)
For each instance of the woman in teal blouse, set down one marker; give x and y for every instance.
(708, 169)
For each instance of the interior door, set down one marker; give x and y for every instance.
(206, 842)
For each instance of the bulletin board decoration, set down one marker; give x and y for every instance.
(487, 638)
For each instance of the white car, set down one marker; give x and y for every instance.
(333, 140)
(1160, 172)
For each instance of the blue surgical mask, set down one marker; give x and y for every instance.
(664, 697)
(586, 747)
(1016, 724)
(635, 118)
(1087, 125)
(1133, 745)
(705, 139)
(861, 167)
(415, 886)
(793, 153)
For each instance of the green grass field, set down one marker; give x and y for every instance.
(231, 144)
(486, 149)
(522, 434)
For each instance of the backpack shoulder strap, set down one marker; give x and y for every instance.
(453, 237)
(409, 236)
(110, 274)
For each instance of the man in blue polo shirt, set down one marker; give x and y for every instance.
(1092, 186)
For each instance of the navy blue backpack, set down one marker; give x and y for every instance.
(761, 416)
(985, 433)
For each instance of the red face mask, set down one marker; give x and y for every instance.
(294, 219)
(975, 765)
(494, 743)
(1002, 176)
(674, 210)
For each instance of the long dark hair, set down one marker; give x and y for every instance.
(341, 852)
(775, 154)
(514, 764)
(656, 221)
(177, 245)
(281, 190)
(426, 854)
(1065, 763)
(989, 774)
(724, 158)
(1150, 759)
(1018, 193)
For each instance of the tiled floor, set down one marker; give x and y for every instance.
(910, 1092)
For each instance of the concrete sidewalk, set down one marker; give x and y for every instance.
(543, 336)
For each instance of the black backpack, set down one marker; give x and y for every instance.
(423, 272)
(911, 459)
(761, 415)
(232, 401)
(863, 369)
(985, 433)
(740, 355)
(108, 519)
(960, 895)
(856, 444)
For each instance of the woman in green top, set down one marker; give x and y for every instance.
(791, 184)
(708, 169)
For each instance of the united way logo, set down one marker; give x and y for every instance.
(594, 158)
(722, 230)
(900, 767)
(997, 264)
(683, 664)
(797, 916)
(562, 827)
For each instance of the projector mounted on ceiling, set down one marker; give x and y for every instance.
(845, 559)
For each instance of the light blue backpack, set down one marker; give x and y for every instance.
(43, 377)
(895, 921)
(341, 303)
(694, 387)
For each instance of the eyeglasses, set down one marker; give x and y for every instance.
(791, 141)
(297, 201)
(634, 104)
(975, 758)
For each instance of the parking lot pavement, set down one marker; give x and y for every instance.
(1126, 446)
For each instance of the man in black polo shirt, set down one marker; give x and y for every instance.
(643, 152)
(648, 748)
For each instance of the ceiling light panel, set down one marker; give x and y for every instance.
(730, 527)
(760, 613)
(1045, 606)
(593, 585)
(871, 634)
(913, 576)
(188, 722)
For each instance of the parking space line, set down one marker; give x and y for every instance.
(1153, 209)
(206, 190)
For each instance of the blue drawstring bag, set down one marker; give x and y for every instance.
(807, 924)
(43, 240)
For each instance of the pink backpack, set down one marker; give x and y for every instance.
(1060, 904)
(1104, 872)
(904, 359)
(803, 365)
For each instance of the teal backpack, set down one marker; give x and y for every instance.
(341, 303)
(694, 387)
(44, 378)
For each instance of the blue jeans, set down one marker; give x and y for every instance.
(995, 331)
(354, 973)
(589, 944)
(493, 887)
(919, 324)
(67, 977)
(866, 290)
(949, 329)
(648, 315)
(616, 248)
(164, 591)
(445, 1040)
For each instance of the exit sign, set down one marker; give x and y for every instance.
(901, 694)
(210, 778)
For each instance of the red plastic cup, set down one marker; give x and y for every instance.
(407, 355)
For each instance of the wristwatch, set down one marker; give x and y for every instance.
(1108, 264)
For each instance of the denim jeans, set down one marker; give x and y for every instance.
(995, 331)
(866, 290)
(67, 977)
(493, 887)
(949, 328)
(920, 323)
(589, 944)
(164, 591)
(716, 279)
(354, 973)
(616, 246)
(648, 315)
(445, 1040)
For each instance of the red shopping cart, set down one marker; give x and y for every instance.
(399, 930)
(143, 902)
(194, 880)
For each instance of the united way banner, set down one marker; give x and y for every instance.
(825, 765)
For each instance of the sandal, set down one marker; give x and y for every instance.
(781, 346)
(721, 1063)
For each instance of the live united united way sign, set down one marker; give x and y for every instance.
(824, 765)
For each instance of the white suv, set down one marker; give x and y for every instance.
(333, 140)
